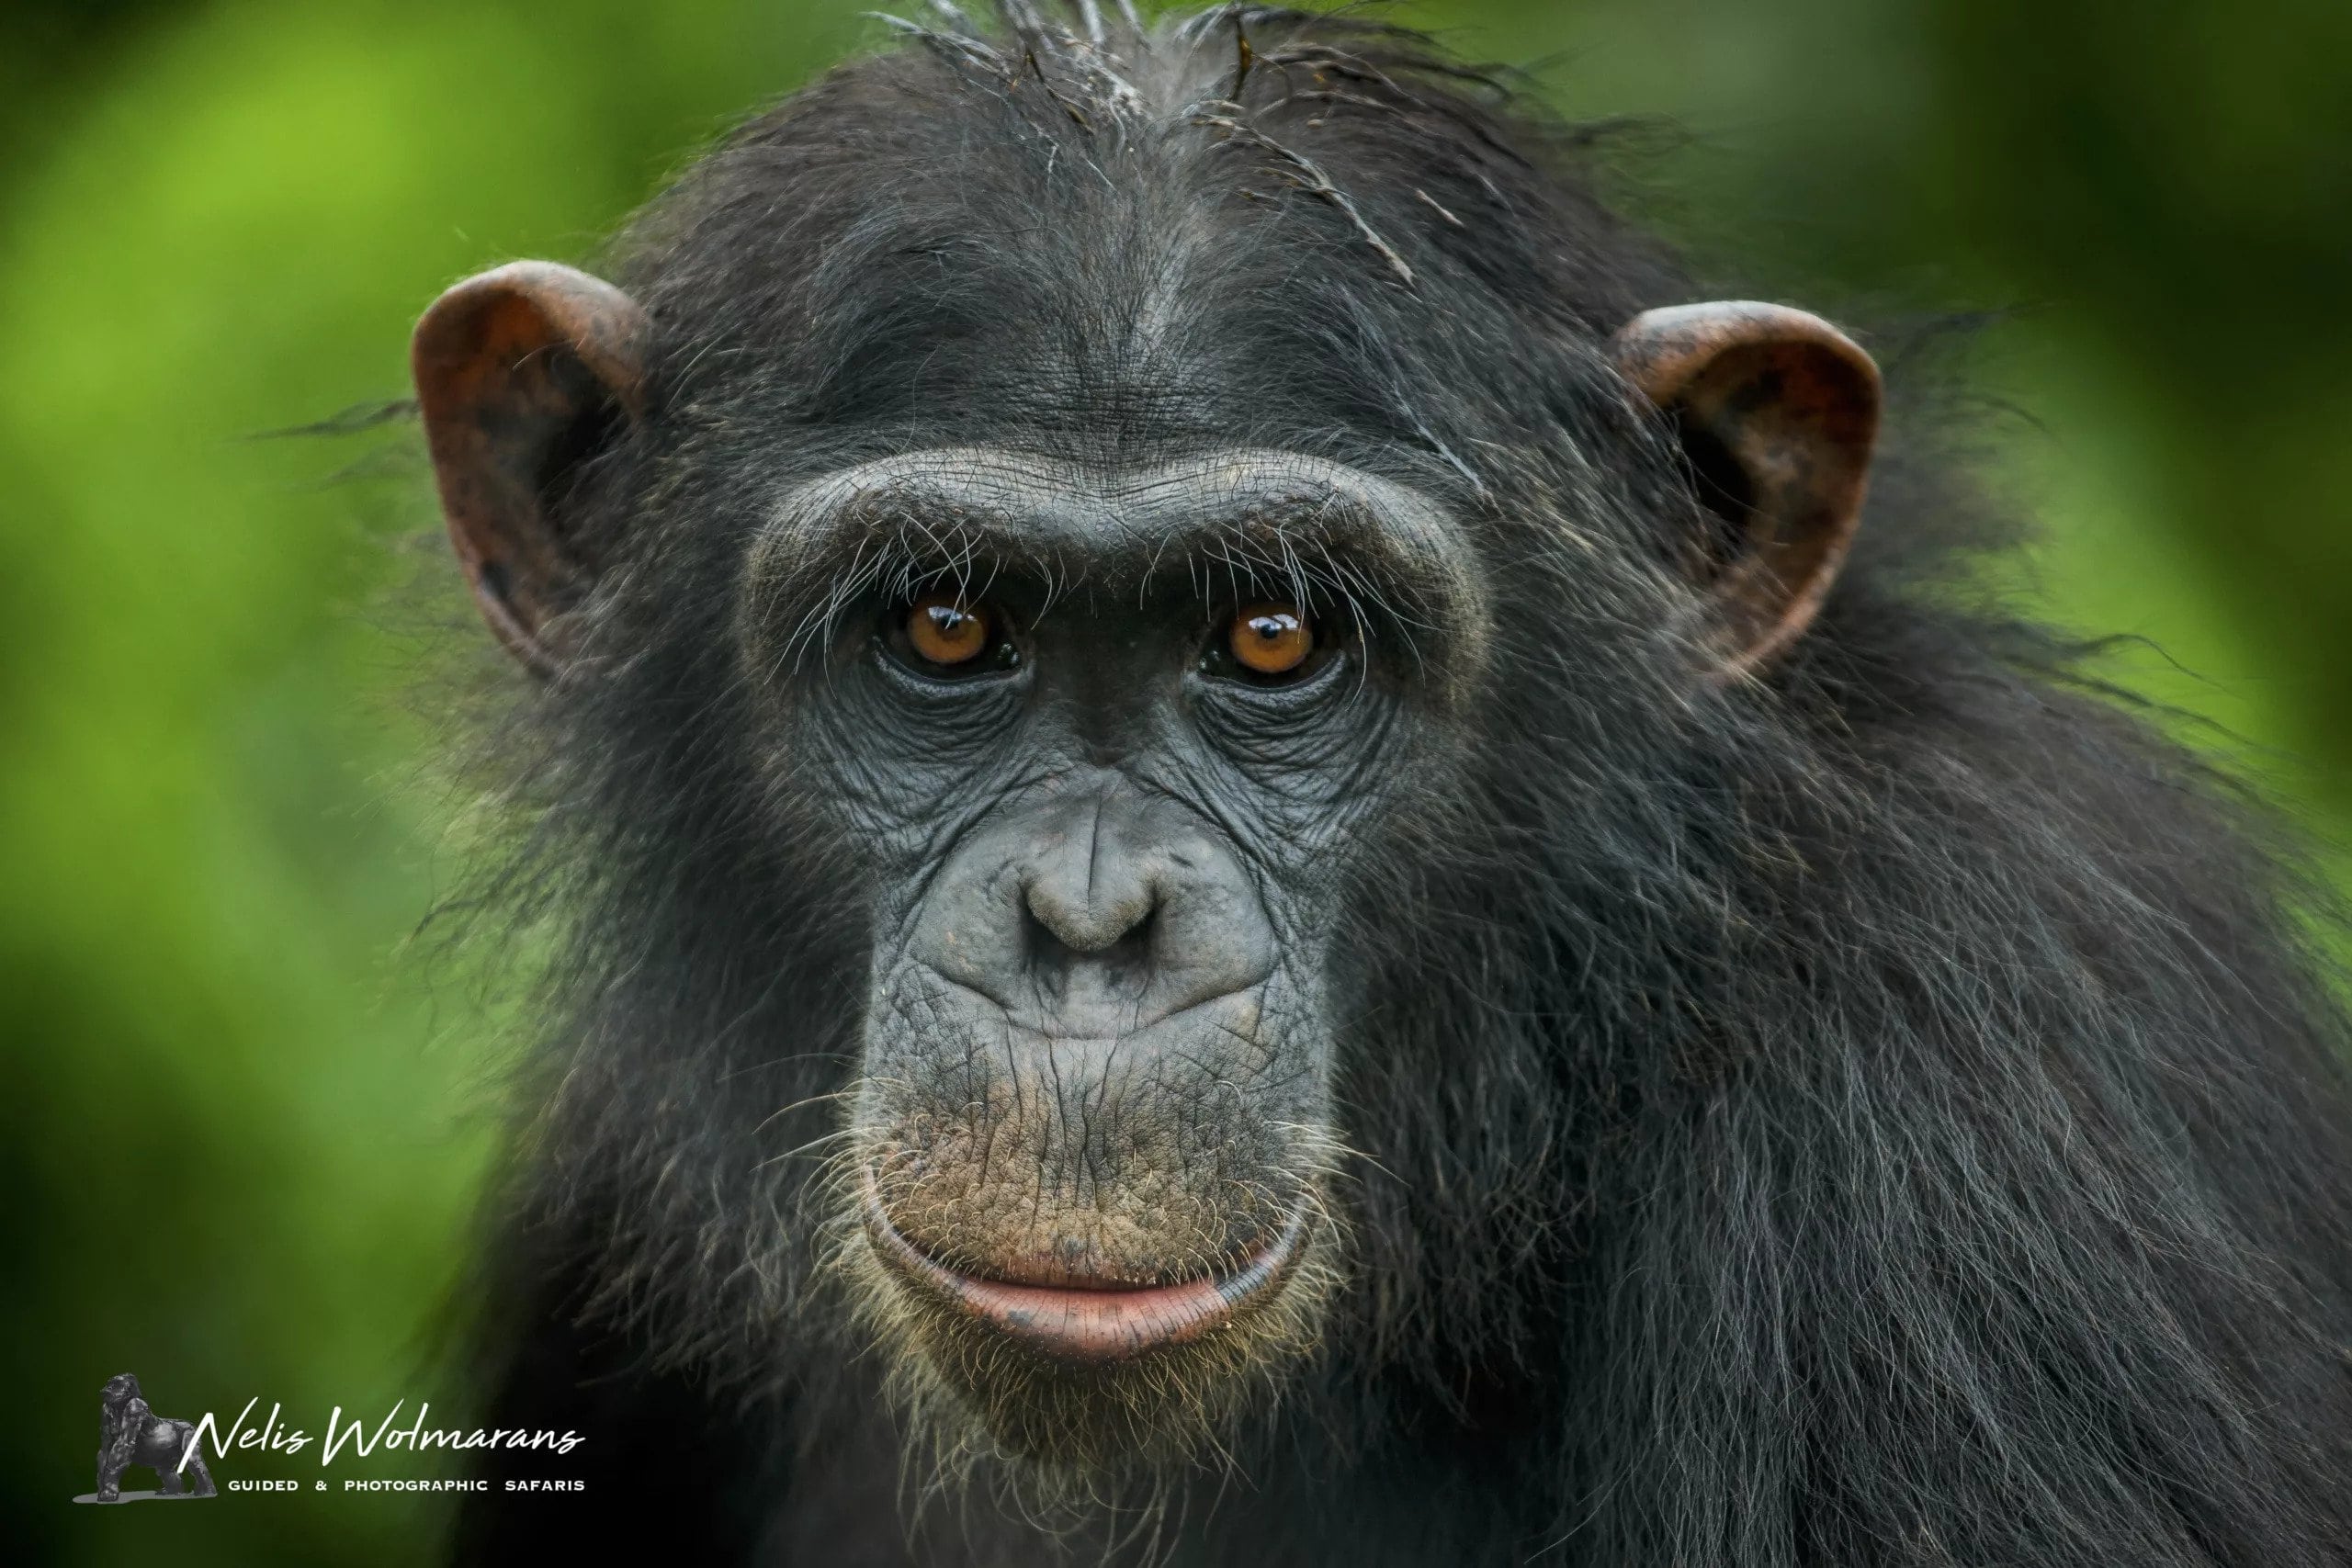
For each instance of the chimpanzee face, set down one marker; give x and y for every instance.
(1101, 748)
(1111, 741)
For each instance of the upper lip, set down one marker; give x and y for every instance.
(1089, 1324)
(1052, 1025)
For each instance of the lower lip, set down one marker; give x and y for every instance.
(1094, 1328)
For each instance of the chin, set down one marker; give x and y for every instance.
(1077, 1383)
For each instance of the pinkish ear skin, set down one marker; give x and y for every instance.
(508, 364)
(1791, 404)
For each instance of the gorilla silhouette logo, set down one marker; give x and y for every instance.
(129, 1433)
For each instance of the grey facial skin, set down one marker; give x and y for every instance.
(1107, 866)
(1061, 1034)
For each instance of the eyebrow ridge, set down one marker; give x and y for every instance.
(960, 503)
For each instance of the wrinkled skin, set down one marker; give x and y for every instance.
(1106, 864)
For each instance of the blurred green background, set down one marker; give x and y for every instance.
(240, 1127)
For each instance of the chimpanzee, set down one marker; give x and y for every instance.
(1258, 863)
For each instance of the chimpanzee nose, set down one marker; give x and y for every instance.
(1088, 889)
(1091, 914)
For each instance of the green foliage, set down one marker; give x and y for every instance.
(242, 1124)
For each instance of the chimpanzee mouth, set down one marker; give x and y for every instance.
(1085, 1321)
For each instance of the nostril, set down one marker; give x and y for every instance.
(1052, 931)
(1131, 951)
(1088, 925)
(1114, 946)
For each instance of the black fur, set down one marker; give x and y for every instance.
(1890, 1111)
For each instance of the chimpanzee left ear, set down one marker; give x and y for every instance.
(520, 373)
(1777, 411)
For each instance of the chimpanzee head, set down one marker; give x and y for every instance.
(1072, 518)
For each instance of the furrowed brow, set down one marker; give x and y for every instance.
(967, 512)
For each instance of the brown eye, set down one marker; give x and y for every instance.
(944, 630)
(1271, 639)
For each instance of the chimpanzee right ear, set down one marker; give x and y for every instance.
(520, 373)
(1777, 412)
